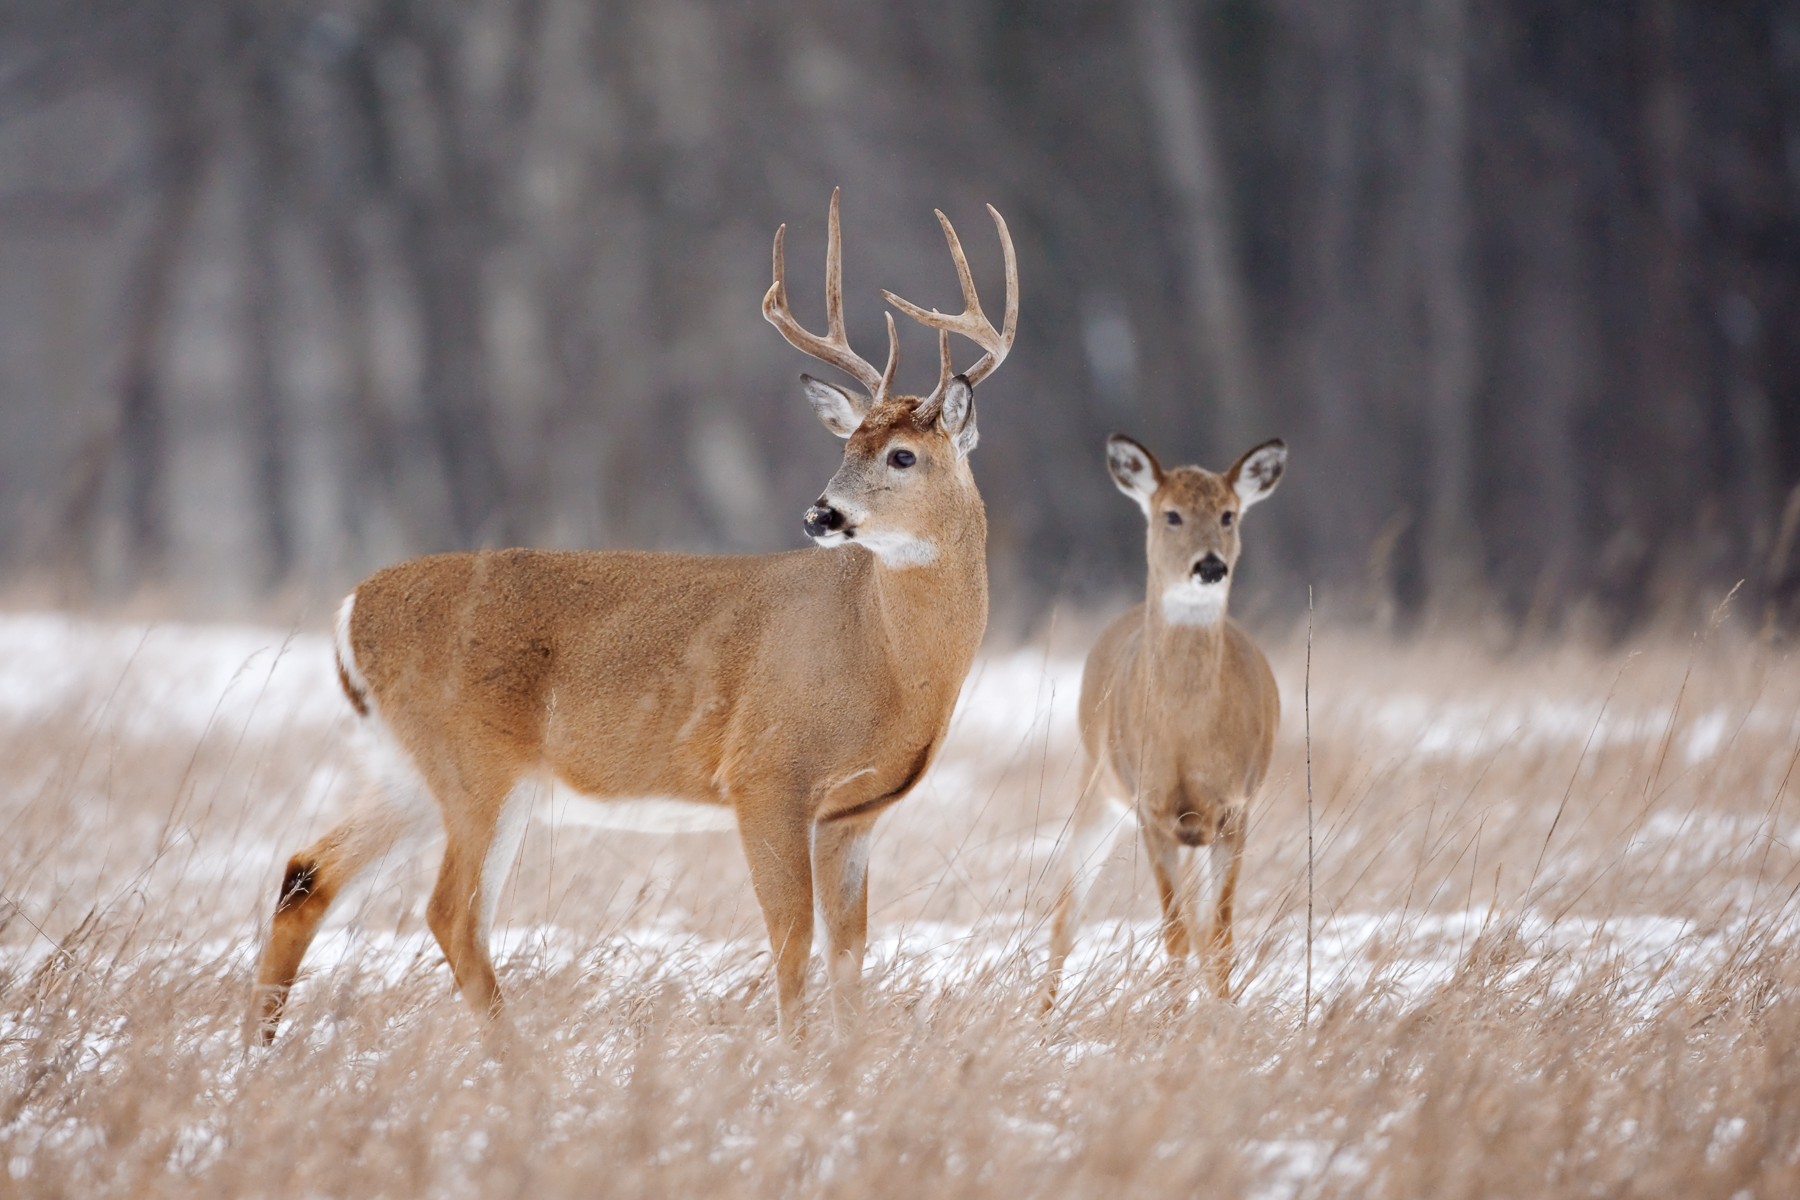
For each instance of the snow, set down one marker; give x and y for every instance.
(166, 680)
(176, 683)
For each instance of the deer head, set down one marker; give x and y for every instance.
(1192, 542)
(906, 457)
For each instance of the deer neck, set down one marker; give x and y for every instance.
(1182, 650)
(933, 614)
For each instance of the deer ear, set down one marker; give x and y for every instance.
(835, 406)
(1255, 475)
(1134, 469)
(956, 415)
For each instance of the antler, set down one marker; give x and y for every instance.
(834, 347)
(971, 322)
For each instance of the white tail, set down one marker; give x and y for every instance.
(1178, 709)
(794, 695)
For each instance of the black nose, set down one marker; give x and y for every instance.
(821, 519)
(1191, 828)
(1211, 569)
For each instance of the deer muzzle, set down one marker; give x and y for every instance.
(822, 519)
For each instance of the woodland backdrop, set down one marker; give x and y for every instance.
(292, 288)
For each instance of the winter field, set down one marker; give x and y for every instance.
(1554, 912)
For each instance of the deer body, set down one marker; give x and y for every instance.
(1179, 708)
(794, 696)
(528, 648)
(1178, 711)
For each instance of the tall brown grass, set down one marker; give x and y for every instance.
(1555, 918)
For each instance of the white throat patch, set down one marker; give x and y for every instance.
(897, 551)
(1191, 602)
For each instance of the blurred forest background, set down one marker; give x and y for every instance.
(293, 288)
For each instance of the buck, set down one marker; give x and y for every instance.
(1178, 711)
(793, 696)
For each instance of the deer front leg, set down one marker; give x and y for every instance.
(776, 844)
(1226, 856)
(840, 857)
(478, 856)
(1165, 866)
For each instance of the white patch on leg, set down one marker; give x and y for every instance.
(850, 884)
(856, 869)
(1203, 874)
(1218, 866)
(1191, 602)
(509, 831)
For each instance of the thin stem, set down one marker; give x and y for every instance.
(1306, 1011)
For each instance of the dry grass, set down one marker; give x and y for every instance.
(1556, 901)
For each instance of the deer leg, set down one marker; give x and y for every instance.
(778, 849)
(1093, 830)
(1226, 858)
(478, 856)
(840, 863)
(1165, 866)
(313, 879)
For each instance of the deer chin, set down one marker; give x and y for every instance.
(1191, 602)
(831, 540)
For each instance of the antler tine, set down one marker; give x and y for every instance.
(834, 348)
(945, 369)
(1010, 324)
(893, 362)
(834, 275)
(971, 323)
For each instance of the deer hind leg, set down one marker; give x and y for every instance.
(478, 857)
(840, 862)
(313, 879)
(1092, 831)
(780, 856)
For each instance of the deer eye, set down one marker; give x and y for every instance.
(1172, 517)
(1225, 518)
(901, 458)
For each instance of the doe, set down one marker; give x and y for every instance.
(1178, 710)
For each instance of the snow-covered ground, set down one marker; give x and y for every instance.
(1562, 835)
(181, 686)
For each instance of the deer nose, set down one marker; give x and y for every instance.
(1192, 829)
(822, 519)
(1211, 569)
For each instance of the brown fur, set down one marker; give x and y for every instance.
(1177, 720)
